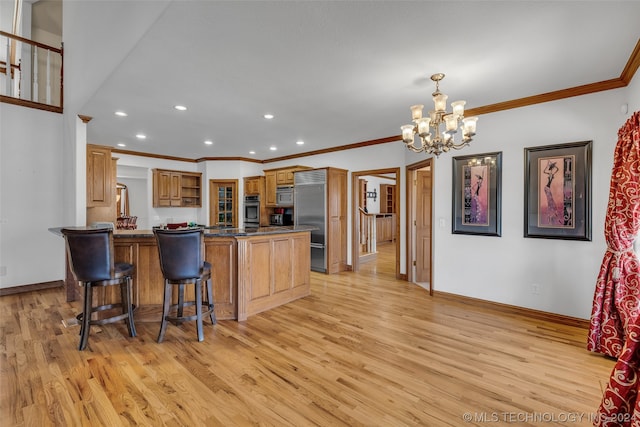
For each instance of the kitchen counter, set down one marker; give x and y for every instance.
(253, 270)
(208, 231)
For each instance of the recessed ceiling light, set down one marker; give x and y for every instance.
(300, 142)
(268, 116)
(208, 142)
(180, 107)
(252, 152)
(121, 144)
(121, 113)
(273, 148)
(141, 136)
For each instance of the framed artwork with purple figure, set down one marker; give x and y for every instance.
(477, 181)
(557, 191)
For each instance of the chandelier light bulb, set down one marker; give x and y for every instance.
(440, 101)
(407, 133)
(416, 112)
(451, 122)
(458, 108)
(423, 126)
(469, 125)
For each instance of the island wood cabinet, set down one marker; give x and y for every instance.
(250, 274)
(99, 176)
(148, 280)
(176, 189)
(272, 270)
(275, 178)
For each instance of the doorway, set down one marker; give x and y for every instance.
(420, 224)
(375, 222)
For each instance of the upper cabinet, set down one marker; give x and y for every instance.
(176, 189)
(253, 185)
(190, 189)
(276, 178)
(99, 176)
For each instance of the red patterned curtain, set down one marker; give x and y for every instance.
(615, 324)
(617, 294)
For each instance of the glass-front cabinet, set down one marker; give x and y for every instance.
(224, 202)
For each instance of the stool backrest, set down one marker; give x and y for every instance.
(90, 253)
(181, 253)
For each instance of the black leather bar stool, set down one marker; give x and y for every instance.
(182, 262)
(91, 259)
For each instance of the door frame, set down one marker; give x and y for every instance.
(411, 217)
(355, 219)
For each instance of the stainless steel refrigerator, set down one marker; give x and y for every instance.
(310, 208)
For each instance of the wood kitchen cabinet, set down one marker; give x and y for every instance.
(387, 198)
(270, 188)
(101, 185)
(385, 228)
(253, 186)
(99, 176)
(275, 178)
(336, 238)
(176, 189)
(190, 189)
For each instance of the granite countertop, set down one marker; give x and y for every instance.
(208, 231)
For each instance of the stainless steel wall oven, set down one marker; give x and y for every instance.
(251, 211)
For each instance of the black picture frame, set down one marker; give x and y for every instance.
(544, 192)
(477, 194)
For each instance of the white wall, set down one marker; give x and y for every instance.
(633, 95)
(30, 196)
(504, 269)
(85, 23)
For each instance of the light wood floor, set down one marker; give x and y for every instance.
(363, 349)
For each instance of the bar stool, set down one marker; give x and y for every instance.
(181, 261)
(90, 253)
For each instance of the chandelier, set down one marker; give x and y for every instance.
(437, 131)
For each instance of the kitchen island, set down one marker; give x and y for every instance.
(252, 270)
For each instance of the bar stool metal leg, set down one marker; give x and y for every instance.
(86, 316)
(166, 305)
(198, 290)
(125, 294)
(212, 314)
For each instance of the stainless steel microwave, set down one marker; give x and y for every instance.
(284, 196)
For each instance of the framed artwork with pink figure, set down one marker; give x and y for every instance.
(477, 181)
(557, 191)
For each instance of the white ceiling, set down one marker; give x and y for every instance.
(340, 72)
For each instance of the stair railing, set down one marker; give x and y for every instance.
(367, 233)
(30, 73)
